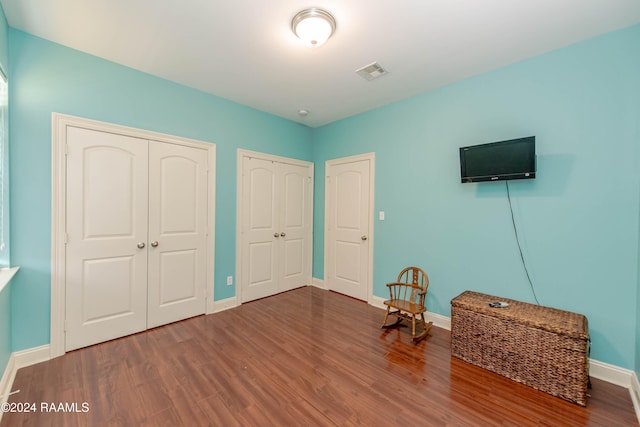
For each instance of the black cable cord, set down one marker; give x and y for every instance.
(515, 230)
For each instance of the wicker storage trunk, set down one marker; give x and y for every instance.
(541, 347)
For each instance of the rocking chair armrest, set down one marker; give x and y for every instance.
(390, 285)
(410, 285)
(422, 295)
(399, 285)
(395, 288)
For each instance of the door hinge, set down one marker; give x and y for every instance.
(66, 238)
(66, 149)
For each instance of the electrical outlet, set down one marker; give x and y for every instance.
(229, 280)
(381, 215)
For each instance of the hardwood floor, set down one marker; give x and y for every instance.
(307, 357)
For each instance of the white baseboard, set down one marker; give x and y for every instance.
(20, 359)
(7, 380)
(224, 304)
(635, 394)
(318, 283)
(619, 376)
(17, 360)
(32, 356)
(439, 320)
(377, 302)
(610, 373)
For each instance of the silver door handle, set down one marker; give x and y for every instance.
(363, 238)
(141, 245)
(154, 244)
(276, 235)
(282, 234)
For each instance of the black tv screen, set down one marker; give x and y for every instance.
(497, 161)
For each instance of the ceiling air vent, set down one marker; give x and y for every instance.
(371, 71)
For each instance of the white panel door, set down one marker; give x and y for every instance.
(295, 225)
(348, 217)
(276, 222)
(261, 230)
(106, 257)
(177, 232)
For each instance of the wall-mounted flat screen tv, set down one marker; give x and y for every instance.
(498, 161)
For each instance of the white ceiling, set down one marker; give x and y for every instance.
(244, 50)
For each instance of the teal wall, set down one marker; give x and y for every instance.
(47, 78)
(5, 295)
(578, 220)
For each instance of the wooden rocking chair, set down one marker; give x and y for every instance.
(407, 298)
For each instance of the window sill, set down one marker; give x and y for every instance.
(6, 274)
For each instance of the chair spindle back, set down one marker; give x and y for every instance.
(418, 278)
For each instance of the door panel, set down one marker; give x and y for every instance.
(106, 282)
(261, 271)
(349, 188)
(110, 198)
(177, 232)
(294, 262)
(179, 188)
(108, 288)
(178, 267)
(348, 272)
(261, 195)
(294, 197)
(348, 217)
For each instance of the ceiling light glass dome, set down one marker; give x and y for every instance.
(313, 26)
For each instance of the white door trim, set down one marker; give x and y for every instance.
(59, 124)
(239, 208)
(334, 162)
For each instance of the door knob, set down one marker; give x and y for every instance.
(282, 234)
(276, 235)
(141, 245)
(363, 238)
(154, 244)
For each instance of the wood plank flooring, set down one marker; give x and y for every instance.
(307, 357)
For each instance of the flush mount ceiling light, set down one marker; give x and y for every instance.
(313, 26)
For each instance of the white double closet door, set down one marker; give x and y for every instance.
(275, 223)
(136, 235)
